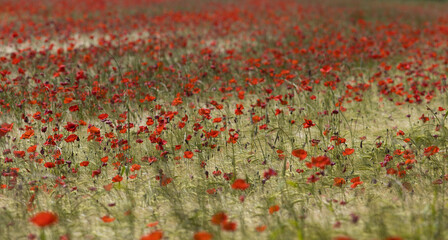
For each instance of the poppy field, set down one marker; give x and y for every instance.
(252, 119)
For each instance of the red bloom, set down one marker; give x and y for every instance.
(164, 180)
(32, 148)
(29, 133)
(240, 184)
(273, 209)
(61, 68)
(326, 69)
(239, 109)
(177, 101)
(356, 181)
(423, 118)
(300, 153)
(135, 167)
(348, 151)
(117, 178)
(188, 154)
(73, 108)
(105, 159)
(71, 138)
(19, 154)
(342, 238)
(233, 138)
(431, 150)
(261, 228)
(103, 116)
(49, 165)
(400, 133)
(108, 187)
(229, 226)
(5, 128)
(308, 123)
(312, 179)
(219, 218)
(68, 100)
(153, 236)
(44, 219)
(212, 133)
(319, 162)
(107, 219)
(84, 163)
(269, 173)
(71, 127)
(211, 191)
(338, 182)
(202, 236)
(96, 172)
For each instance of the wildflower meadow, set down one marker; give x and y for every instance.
(223, 119)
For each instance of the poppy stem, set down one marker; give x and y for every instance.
(233, 162)
(42, 234)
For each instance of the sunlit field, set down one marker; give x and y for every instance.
(251, 119)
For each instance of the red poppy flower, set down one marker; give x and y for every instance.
(5, 128)
(68, 100)
(308, 123)
(71, 127)
(177, 101)
(339, 182)
(117, 178)
(326, 69)
(356, 181)
(300, 153)
(103, 116)
(44, 219)
(32, 148)
(188, 154)
(71, 138)
(312, 179)
(431, 150)
(29, 133)
(108, 187)
(269, 173)
(84, 163)
(229, 226)
(240, 184)
(319, 162)
(202, 236)
(153, 236)
(73, 108)
(400, 133)
(135, 167)
(19, 154)
(107, 219)
(423, 118)
(273, 209)
(348, 151)
(239, 109)
(211, 191)
(152, 224)
(105, 159)
(49, 165)
(233, 138)
(219, 218)
(342, 238)
(260, 228)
